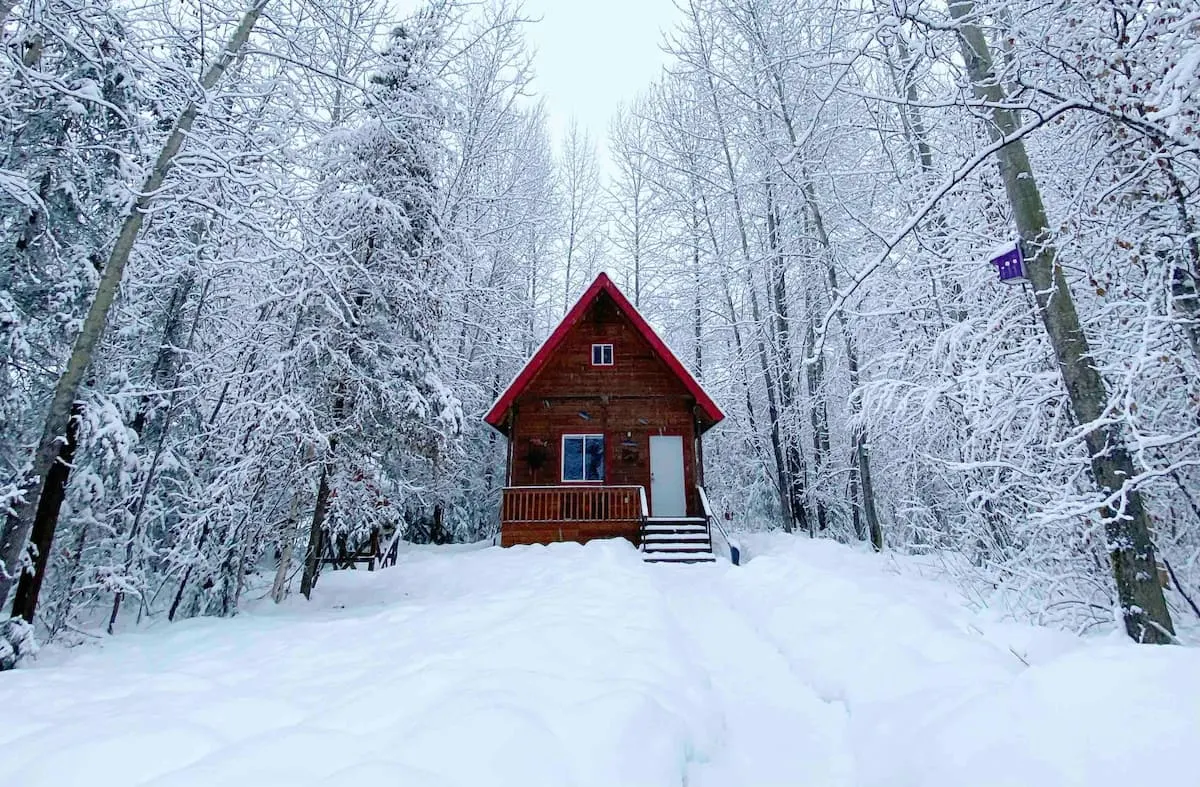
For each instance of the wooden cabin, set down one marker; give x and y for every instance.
(604, 429)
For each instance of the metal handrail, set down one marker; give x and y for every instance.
(732, 548)
(645, 507)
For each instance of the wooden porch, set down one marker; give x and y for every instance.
(545, 514)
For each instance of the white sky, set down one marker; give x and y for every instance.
(593, 55)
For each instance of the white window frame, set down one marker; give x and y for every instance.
(562, 459)
(602, 348)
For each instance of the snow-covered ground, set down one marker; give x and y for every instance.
(811, 665)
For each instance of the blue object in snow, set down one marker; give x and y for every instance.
(1010, 263)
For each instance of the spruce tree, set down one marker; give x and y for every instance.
(389, 414)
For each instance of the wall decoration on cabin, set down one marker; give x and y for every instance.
(538, 453)
(630, 451)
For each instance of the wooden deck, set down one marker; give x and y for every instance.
(545, 514)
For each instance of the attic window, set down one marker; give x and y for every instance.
(602, 355)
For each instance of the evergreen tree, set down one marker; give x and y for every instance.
(388, 416)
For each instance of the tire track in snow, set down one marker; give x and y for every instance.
(777, 730)
(897, 667)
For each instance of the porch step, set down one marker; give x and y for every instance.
(677, 546)
(674, 526)
(679, 557)
(660, 537)
(676, 540)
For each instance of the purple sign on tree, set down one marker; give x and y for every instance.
(1010, 262)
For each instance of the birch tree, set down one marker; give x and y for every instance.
(19, 523)
(1127, 522)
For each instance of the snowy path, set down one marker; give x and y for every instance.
(776, 730)
(582, 666)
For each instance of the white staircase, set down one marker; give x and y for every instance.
(676, 540)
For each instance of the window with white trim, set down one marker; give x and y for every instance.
(602, 355)
(583, 457)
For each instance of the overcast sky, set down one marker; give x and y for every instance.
(593, 55)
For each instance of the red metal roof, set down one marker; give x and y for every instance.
(495, 416)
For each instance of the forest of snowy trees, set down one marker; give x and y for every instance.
(264, 264)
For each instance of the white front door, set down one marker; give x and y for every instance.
(667, 496)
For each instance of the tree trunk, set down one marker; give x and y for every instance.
(777, 299)
(819, 415)
(187, 573)
(19, 523)
(1127, 523)
(437, 530)
(168, 348)
(913, 125)
(856, 516)
(637, 249)
(793, 514)
(870, 515)
(45, 521)
(316, 532)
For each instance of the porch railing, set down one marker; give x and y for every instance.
(722, 544)
(572, 504)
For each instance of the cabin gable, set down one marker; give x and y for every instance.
(636, 369)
